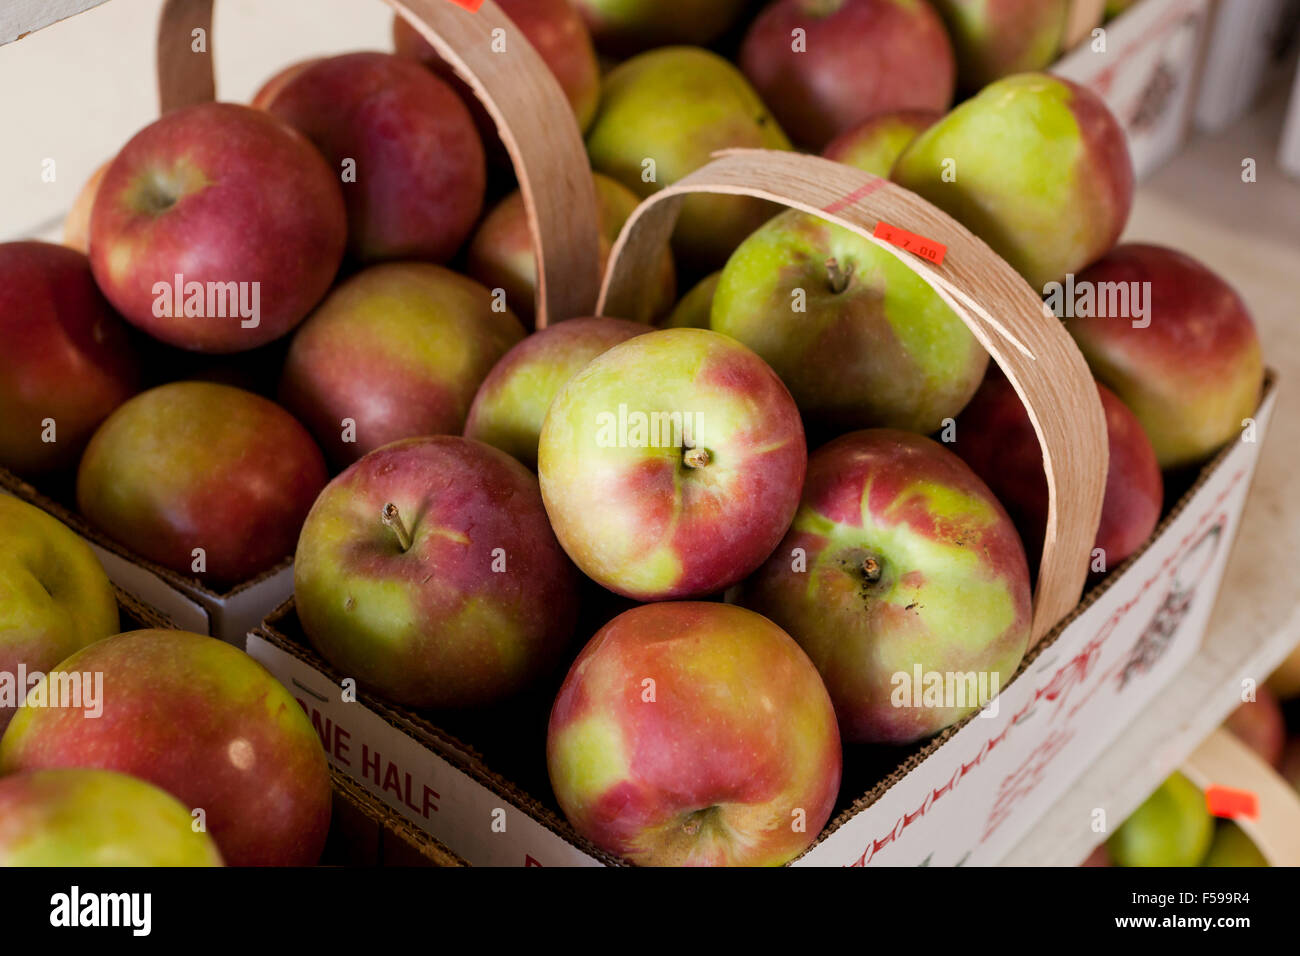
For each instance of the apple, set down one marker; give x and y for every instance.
(216, 228)
(411, 162)
(662, 115)
(1232, 847)
(271, 88)
(671, 464)
(558, 34)
(1034, 165)
(511, 404)
(202, 720)
(76, 225)
(67, 359)
(876, 144)
(1260, 726)
(501, 253)
(1289, 767)
(825, 66)
(859, 339)
(428, 572)
(1285, 681)
(694, 734)
(1171, 828)
(1098, 857)
(695, 307)
(1190, 368)
(899, 561)
(96, 818)
(396, 351)
(208, 480)
(995, 38)
(996, 438)
(630, 26)
(54, 597)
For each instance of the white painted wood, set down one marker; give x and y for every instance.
(21, 17)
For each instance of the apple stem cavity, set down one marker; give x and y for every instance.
(837, 278)
(871, 570)
(696, 457)
(392, 518)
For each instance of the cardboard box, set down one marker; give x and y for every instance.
(966, 797)
(1146, 73)
(363, 832)
(186, 601)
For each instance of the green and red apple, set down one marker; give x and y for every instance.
(1172, 827)
(1190, 368)
(859, 339)
(205, 722)
(671, 464)
(77, 818)
(826, 66)
(995, 38)
(217, 228)
(692, 311)
(662, 115)
(1035, 166)
(428, 572)
(623, 27)
(197, 465)
(501, 254)
(511, 404)
(67, 358)
(55, 598)
(403, 145)
(1259, 725)
(396, 351)
(694, 734)
(900, 560)
(876, 145)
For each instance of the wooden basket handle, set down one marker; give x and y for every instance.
(519, 92)
(1224, 760)
(1006, 315)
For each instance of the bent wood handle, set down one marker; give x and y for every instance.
(1224, 760)
(1006, 315)
(519, 92)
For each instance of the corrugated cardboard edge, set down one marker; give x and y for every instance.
(391, 825)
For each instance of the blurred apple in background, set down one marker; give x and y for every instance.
(996, 438)
(694, 734)
(1232, 847)
(1190, 369)
(54, 595)
(858, 338)
(271, 88)
(628, 26)
(671, 465)
(1285, 681)
(1034, 165)
(995, 38)
(1260, 726)
(228, 198)
(76, 225)
(692, 311)
(396, 351)
(899, 560)
(195, 465)
(1171, 828)
(876, 145)
(662, 115)
(511, 404)
(501, 253)
(418, 172)
(428, 572)
(66, 360)
(851, 60)
(203, 721)
(96, 818)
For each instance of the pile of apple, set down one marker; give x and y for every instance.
(338, 281)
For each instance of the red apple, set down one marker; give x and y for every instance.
(195, 465)
(397, 351)
(995, 38)
(271, 88)
(216, 228)
(1190, 366)
(428, 571)
(694, 734)
(996, 438)
(203, 721)
(853, 59)
(1260, 726)
(624, 27)
(66, 359)
(404, 144)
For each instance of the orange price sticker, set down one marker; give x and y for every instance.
(470, 5)
(927, 249)
(1230, 803)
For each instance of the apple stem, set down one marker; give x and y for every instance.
(837, 278)
(696, 457)
(871, 568)
(393, 519)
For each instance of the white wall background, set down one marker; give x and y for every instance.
(75, 91)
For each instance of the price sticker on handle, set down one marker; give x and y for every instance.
(1231, 804)
(927, 249)
(470, 5)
